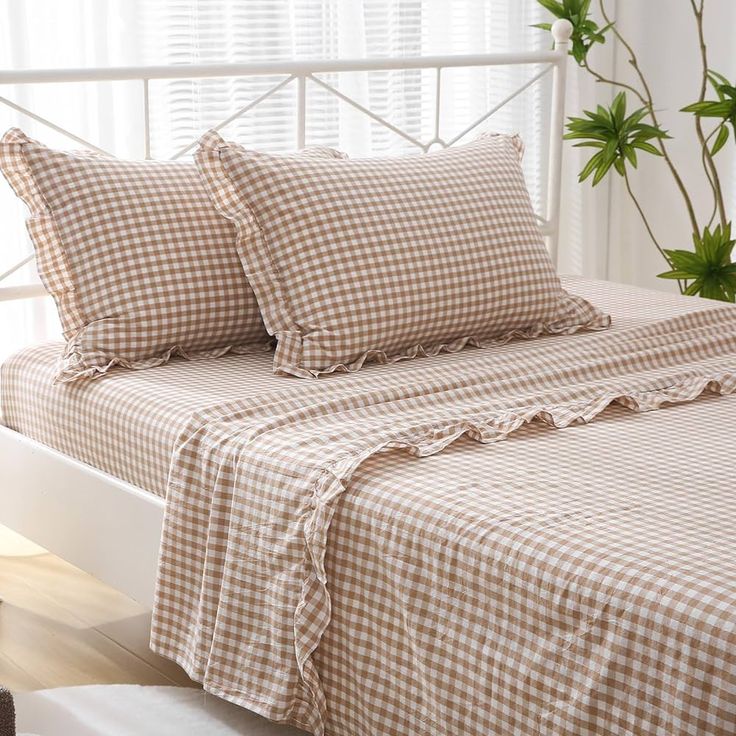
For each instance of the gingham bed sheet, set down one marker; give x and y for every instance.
(323, 563)
(127, 425)
(573, 582)
(544, 559)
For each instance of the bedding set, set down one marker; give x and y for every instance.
(444, 503)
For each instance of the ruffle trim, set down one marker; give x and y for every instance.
(75, 366)
(576, 315)
(313, 612)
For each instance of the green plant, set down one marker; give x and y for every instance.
(724, 109)
(586, 31)
(708, 270)
(617, 140)
(616, 137)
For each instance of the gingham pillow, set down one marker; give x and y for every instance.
(384, 259)
(139, 261)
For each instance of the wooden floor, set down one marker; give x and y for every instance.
(59, 626)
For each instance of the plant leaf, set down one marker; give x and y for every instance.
(720, 140)
(603, 170)
(616, 136)
(679, 275)
(708, 268)
(648, 147)
(697, 107)
(590, 167)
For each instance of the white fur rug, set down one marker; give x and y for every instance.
(135, 710)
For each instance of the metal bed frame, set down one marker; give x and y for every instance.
(100, 523)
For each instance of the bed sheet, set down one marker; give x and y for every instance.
(537, 538)
(574, 580)
(126, 423)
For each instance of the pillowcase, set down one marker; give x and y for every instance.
(385, 259)
(140, 263)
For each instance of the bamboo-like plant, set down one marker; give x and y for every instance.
(618, 138)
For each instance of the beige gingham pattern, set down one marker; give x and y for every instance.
(385, 259)
(139, 261)
(497, 621)
(572, 581)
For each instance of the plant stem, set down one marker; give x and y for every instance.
(613, 82)
(647, 225)
(648, 102)
(708, 139)
(708, 164)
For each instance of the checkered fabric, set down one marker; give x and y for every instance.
(529, 618)
(140, 263)
(385, 259)
(127, 425)
(325, 564)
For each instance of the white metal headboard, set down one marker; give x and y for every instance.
(301, 73)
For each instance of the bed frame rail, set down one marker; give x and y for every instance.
(99, 523)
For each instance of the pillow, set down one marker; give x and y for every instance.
(140, 263)
(385, 259)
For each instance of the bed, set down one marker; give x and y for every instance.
(127, 425)
(535, 537)
(594, 536)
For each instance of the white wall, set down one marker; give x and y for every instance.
(664, 36)
(584, 226)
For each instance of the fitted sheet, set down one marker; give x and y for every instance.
(126, 423)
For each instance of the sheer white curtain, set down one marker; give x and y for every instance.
(86, 33)
(186, 31)
(60, 33)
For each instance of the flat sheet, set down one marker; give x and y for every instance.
(564, 581)
(367, 557)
